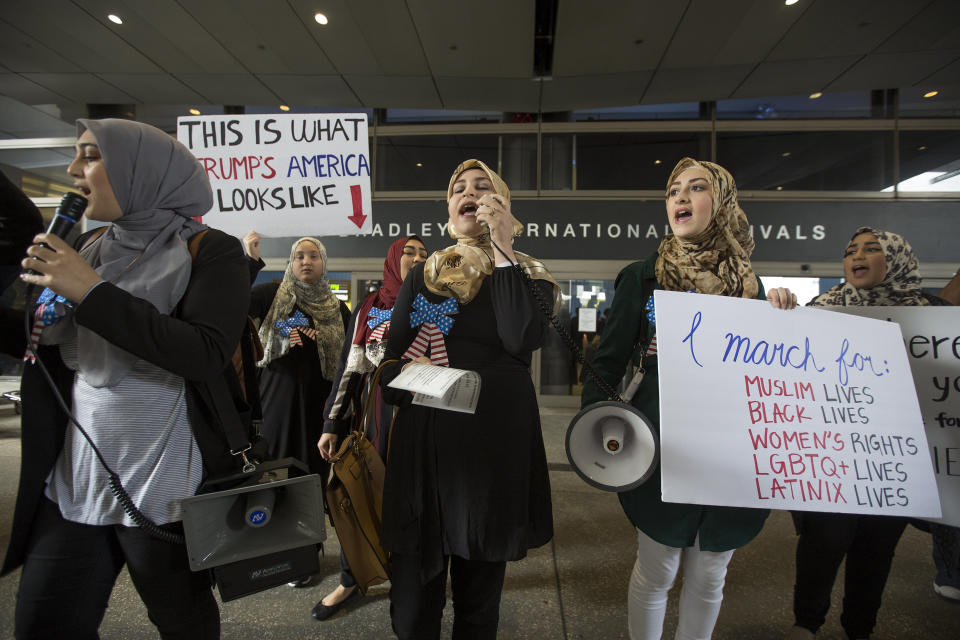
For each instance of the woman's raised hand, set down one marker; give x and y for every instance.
(495, 211)
(251, 244)
(58, 267)
(782, 298)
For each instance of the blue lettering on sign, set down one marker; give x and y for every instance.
(765, 353)
(857, 361)
(694, 325)
(329, 165)
(257, 517)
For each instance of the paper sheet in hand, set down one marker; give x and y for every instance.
(440, 387)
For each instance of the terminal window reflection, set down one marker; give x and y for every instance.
(929, 161)
(560, 372)
(424, 163)
(809, 160)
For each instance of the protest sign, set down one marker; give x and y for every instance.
(804, 409)
(284, 175)
(932, 338)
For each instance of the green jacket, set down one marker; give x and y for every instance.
(675, 525)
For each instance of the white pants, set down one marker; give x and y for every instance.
(653, 575)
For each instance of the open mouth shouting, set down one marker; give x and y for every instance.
(468, 208)
(682, 215)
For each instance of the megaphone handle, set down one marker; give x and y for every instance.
(634, 384)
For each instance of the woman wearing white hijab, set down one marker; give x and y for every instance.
(138, 337)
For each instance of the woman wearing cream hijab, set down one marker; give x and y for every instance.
(466, 492)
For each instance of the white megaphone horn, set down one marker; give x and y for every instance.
(612, 445)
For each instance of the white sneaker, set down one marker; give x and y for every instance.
(947, 592)
(797, 632)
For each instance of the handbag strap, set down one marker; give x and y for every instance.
(360, 432)
(369, 404)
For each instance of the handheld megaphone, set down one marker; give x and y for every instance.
(612, 446)
(258, 535)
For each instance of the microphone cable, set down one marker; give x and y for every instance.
(116, 487)
(547, 309)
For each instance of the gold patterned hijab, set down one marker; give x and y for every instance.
(717, 261)
(459, 270)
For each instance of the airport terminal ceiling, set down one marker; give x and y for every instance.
(815, 104)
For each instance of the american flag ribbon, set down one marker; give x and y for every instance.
(429, 340)
(436, 314)
(50, 308)
(297, 334)
(378, 333)
(378, 316)
(652, 347)
(287, 325)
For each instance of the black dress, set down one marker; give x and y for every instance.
(292, 391)
(474, 486)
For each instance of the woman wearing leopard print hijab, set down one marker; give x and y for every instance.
(880, 269)
(709, 252)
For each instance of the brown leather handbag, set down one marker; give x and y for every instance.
(355, 499)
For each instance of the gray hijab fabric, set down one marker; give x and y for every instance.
(159, 186)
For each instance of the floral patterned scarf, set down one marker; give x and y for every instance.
(900, 287)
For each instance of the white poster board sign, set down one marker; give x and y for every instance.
(932, 339)
(804, 409)
(587, 320)
(284, 175)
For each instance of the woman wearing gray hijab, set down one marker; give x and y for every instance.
(138, 336)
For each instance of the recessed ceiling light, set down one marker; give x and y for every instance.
(284, 107)
(656, 162)
(194, 112)
(790, 2)
(779, 188)
(922, 147)
(320, 18)
(930, 94)
(419, 164)
(785, 154)
(814, 96)
(114, 18)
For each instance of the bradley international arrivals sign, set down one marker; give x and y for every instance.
(631, 230)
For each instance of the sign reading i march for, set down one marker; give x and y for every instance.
(284, 175)
(804, 409)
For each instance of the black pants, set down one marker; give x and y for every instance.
(346, 576)
(416, 609)
(868, 543)
(71, 568)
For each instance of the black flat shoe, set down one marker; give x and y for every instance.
(321, 612)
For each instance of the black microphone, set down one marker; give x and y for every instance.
(67, 214)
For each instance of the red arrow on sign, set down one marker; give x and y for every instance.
(357, 218)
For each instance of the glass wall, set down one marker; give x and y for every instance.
(808, 160)
(930, 161)
(816, 105)
(424, 162)
(634, 160)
